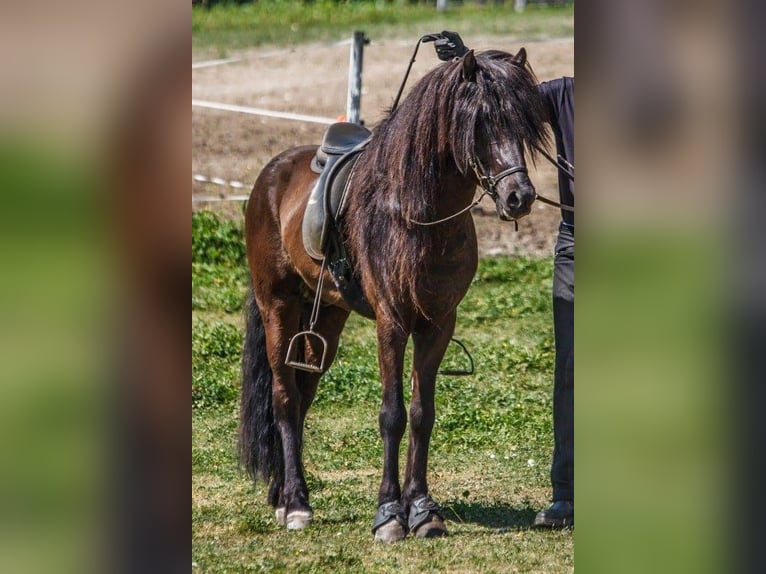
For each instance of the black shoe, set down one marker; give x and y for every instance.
(559, 515)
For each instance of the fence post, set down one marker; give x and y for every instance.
(354, 100)
(519, 5)
(441, 5)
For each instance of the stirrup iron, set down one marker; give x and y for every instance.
(303, 337)
(292, 351)
(460, 372)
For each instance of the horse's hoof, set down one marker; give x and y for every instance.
(425, 519)
(433, 528)
(280, 514)
(392, 531)
(298, 519)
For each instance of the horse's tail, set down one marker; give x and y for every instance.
(260, 445)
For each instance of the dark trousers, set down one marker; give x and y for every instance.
(562, 469)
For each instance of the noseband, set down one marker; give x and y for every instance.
(489, 182)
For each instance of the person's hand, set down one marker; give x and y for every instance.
(450, 46)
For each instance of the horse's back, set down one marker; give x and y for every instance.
(281, 170)
(281, 184)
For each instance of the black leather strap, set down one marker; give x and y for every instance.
(388, 511)
(421, 509)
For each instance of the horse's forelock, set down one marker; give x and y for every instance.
(500, 102)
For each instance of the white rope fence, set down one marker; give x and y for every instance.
(354, 78)
(214, 198)
(262, 112)
(210, 63)
(221, 182)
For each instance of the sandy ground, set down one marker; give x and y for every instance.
(312, 79)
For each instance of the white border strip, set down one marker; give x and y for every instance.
(262, 112)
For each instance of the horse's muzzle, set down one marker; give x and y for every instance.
(516, 205)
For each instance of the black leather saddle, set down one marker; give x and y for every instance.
(334, 161)
(341, 145)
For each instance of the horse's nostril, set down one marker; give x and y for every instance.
(513, 199)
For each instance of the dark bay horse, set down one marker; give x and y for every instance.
(464, 121)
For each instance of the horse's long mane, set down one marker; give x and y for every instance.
(433, 133)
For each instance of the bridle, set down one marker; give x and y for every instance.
(489, 183)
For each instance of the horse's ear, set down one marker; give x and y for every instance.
(520, 58)
(469, 66)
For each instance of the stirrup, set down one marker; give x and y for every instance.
(292, 352)
(460, 372)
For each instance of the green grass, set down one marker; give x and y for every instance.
(283, 22)
(490, 452)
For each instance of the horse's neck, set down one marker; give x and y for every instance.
(456, 193)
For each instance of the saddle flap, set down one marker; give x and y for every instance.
(335, 195)
(326, 202)
(333, 160)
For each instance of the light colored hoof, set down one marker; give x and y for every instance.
(298, 519)
(279, 514)
(390, 532)
(434, 528)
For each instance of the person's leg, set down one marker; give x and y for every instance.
(562, 469)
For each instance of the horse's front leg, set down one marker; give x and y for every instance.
(431, 341)
(390, 520)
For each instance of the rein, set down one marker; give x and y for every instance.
(554, 203)
(488, 184)
(560, 163)
(564, 167)
(453, 216)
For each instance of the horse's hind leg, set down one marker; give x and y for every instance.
(293, 394)
(281, 321)
(430, 343)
